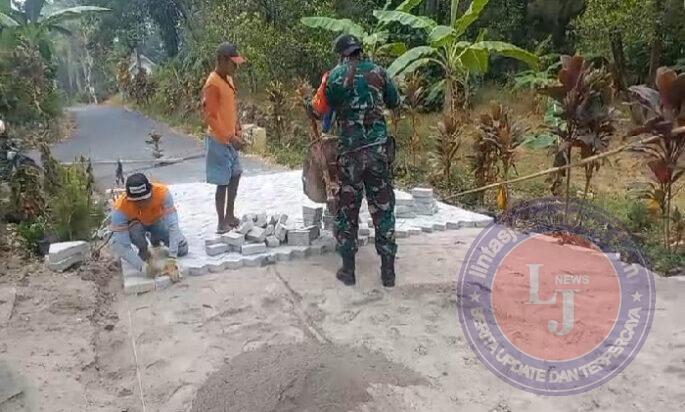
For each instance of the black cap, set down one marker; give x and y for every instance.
(138, 187)
(229, 50)
(346, 44)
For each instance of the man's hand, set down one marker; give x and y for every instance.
(237, 142)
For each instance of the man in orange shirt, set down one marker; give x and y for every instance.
(223, 141)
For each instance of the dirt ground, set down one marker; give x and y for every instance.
(290, 338)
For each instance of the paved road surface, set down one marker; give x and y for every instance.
(108, 133)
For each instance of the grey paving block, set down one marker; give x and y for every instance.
(234, 263)
(273, 220)
(270, 230)
(283, 255)
(413, 231)
(213, 240)
(66, 263)
(300, 252)
(401, 233)
(364, 230)
(261, 220)
(440, 226)
(233, 238)
(370, 222)
(58, 252)
(312, 216)
(271, 258)
(299, 237)
(315, 250)
(249, 217)
(421, 192)
(137, 285)
(454, 225)
(215, 267)
(215, 250)
(281, 232)
(283, 219)
(255, 261)
(253, 249)
(245, 227)
(272, 241)
(314, 232)
(200, 270)
(427, 228)
(257, 235)
(468, 224)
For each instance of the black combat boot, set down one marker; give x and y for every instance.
(388, 271)
(346, 272)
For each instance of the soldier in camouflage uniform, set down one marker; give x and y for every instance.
(357, 90)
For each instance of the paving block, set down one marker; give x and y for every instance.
(249, 217)
(185, 270)
(362, 241)
(328, 244)
(283, 255)
(454, 225)
(66, 263)
(312, 216)
(283, 219)
(215, 267)
(372, 236)
(422, 192)
(299, 237)
(214, 240)
(468, 224)
(255, 261)
(427, 228)
(281, 232)
(270, 230)
(200, 270)
(271, 258)
(163, 282)
(215, 250)
(233, 238)
(300, 252)
(253, 249)
(261, 220)
(440, 226)
(257, 235)
(234, 263)
(401, 234)
(364, 230)
(138, 285)
(315, 250)
(272, 241)
(273, 219)
(413, 231)
(245, 227)
(60, 251)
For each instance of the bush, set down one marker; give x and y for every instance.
(31, 235)
(73, 211)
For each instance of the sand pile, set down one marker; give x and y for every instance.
(304, 377)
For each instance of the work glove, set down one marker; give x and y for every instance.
(171, 269)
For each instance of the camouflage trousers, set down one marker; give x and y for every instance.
(365, 171)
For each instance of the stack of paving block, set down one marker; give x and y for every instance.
(404, 206)
(253, 236)
(303, 237)
(312, 216)
(424, 201)
(64, 255)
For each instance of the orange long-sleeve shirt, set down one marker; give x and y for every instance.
(220, 108)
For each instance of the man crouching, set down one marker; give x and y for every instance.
(145, 208)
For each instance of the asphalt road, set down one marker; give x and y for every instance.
(108, 133)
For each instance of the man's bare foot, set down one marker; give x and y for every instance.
(232, 222)
(221, 229)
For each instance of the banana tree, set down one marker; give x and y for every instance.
(375, 41)
(30, 13)
(447, 48)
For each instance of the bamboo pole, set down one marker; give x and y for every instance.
(583, 162)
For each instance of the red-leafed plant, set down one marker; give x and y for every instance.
(663, 117)
(584, 94)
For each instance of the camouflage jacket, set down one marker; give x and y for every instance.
(358, 108)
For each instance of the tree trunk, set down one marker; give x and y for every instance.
(657, 41)
(619, 61)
